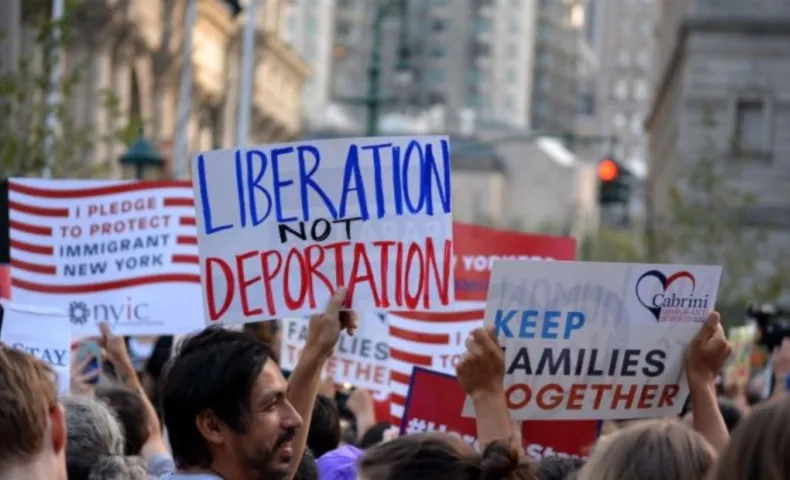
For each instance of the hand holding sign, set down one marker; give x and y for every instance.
(325, 328)
(482, 368)
(707, 353)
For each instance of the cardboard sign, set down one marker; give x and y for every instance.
(41, 332)
(107, 251)
(435, 340)
(435, 401)
(591, 341)
(361, 360)
(281, 227)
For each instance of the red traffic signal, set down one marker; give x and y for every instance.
(607, 170)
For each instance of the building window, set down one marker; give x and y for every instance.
(750, 126)
(510, 75)
(619, 120)
(515, 3)
(343, 28)
(439, 24)
(644, 28)
(436, 75)
(620, 90)
(636, 124)
(512, 50)
(514, 25)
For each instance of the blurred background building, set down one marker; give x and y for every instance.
(722, 97)
(132, 49)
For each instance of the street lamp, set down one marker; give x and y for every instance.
(142, 155)
(373, 99)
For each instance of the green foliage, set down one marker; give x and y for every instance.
(610, 245)
(24, 109)
(706, 226)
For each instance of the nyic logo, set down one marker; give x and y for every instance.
(113, 313)
(654, 292)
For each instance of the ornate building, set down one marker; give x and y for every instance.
(134, 49)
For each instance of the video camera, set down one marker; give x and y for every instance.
(773, 324)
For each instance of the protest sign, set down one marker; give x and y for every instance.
(477, 248)
(435, 340)
(590, 340)
(739, 365)
(435, 401)
(361, 360)
(41, 332)
(107, 251)
(281, 227)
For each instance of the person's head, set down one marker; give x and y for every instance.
(441, 457)
(559, 468)
(373, 435)
(729, 411)
(652, 450)
(224, 407)
(32, 428)
(758, 447)
(95, 443)
(131, 412)
(324, 434)
(307, 469)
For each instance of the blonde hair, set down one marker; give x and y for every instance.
(759, 447)
(652, 450)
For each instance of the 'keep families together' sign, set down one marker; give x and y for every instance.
(587, 340)
(281, 227)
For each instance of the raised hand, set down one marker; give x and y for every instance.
(482, 367)
(325, 328)
(707, 353)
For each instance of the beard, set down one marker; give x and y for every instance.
(264, 460)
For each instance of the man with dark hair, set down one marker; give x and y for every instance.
(229, 412)
(32, 426)
(132, 413)
(324, 434)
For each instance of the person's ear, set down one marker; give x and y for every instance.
(58, 422)
(210, 427)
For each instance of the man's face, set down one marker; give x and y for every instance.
(266, 446)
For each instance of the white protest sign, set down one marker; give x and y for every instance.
(280, 227)
(593, 341)
(41, 332)
(361, 360)
(107, 251)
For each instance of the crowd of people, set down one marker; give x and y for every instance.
(223, 409)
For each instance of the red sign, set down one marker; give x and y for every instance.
(425, 413)
(476, 249)
(5, 281)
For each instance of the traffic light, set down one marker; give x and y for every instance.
(614, 182)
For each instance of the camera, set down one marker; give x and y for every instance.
(773, 324)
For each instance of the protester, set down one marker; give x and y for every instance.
(442, 457)
(238, 421)
(559, 468)
(655, 450)
(324, 434)
(759, 447)
(95, 447)
(339, 464)
(374, 435)
(130, 409)
(32, 427)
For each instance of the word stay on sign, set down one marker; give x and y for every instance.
(281, 227)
